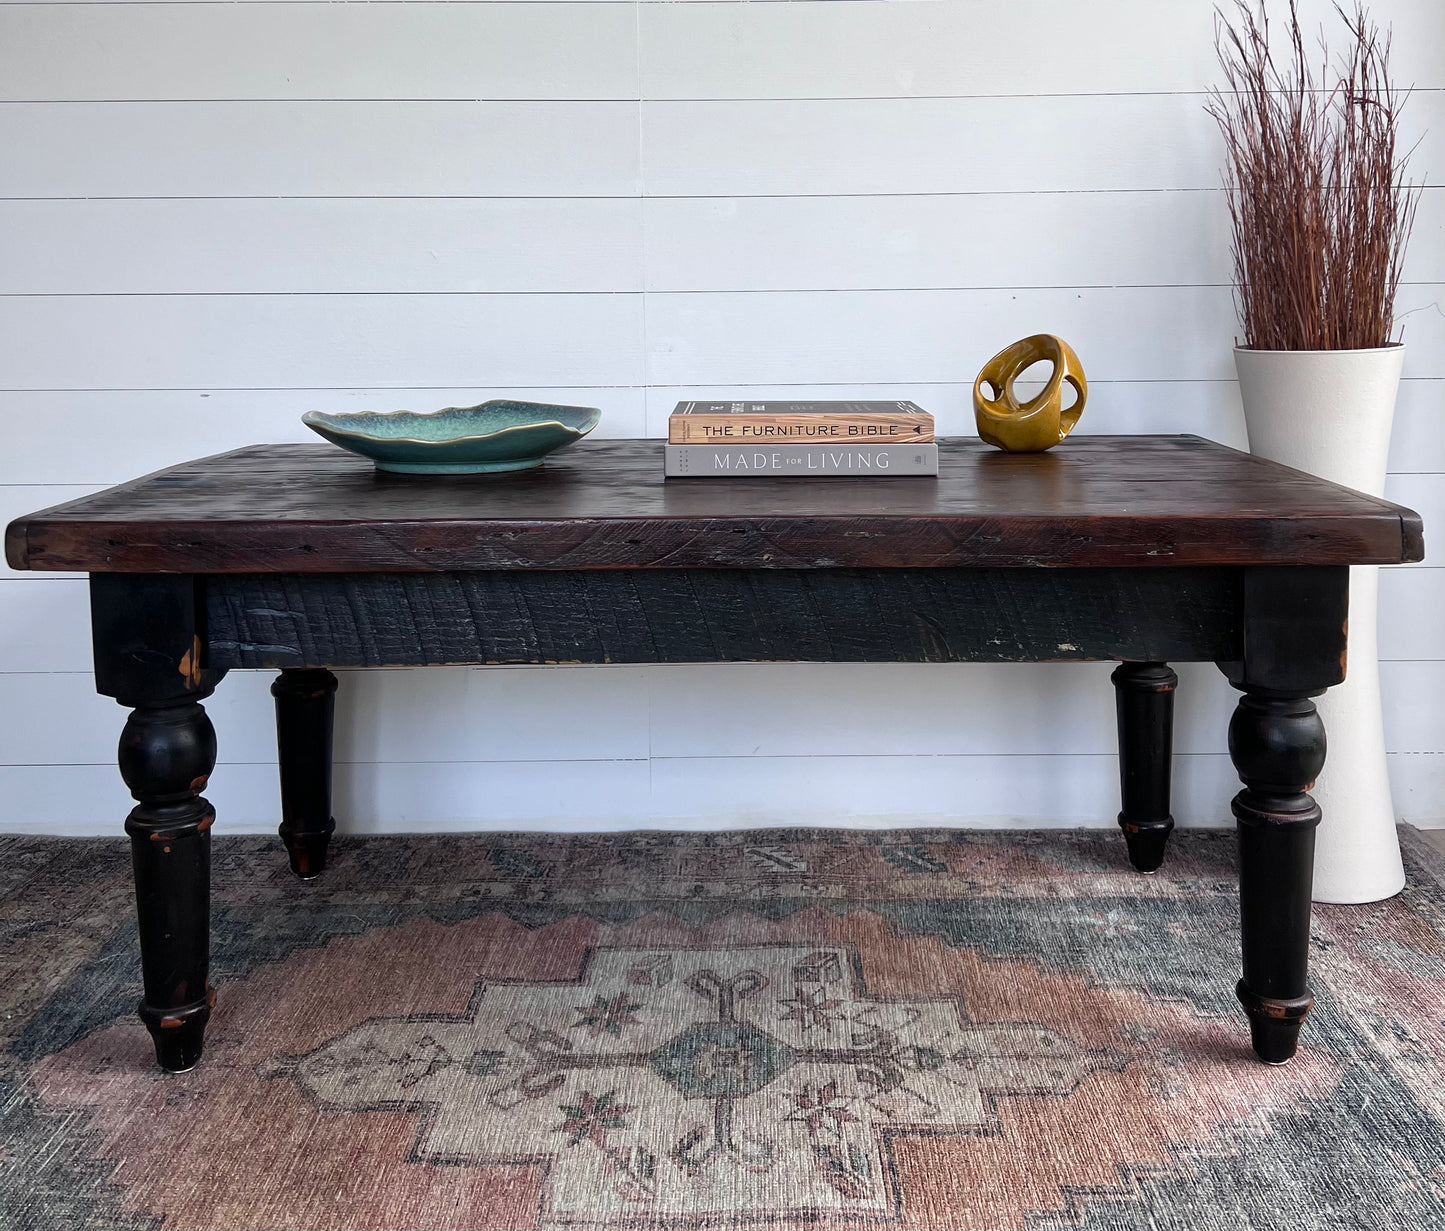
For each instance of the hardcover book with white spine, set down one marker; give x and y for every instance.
(800, 461)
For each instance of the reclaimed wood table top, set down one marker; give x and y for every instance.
(1096, 501)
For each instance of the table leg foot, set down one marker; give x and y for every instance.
(179, 1033)
(1146, 843)
(166, 755)
(306, 853)
(305, 708)
(1274, 1025)
(1277, 744)
(1144, 703)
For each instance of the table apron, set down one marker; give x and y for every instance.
(280, 620)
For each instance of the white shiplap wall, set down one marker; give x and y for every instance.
(216, 215)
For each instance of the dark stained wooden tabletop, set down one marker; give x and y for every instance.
(1095, 501)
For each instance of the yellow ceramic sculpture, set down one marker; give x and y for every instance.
(1041, 422)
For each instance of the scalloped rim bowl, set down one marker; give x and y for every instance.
(493, 436)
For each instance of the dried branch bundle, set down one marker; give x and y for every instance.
(1320, 207)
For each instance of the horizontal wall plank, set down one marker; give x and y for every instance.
(740, 50)
(320, 246)
(494, 715)
(820, 148)
(596, 244)
(112, 436)
(1124, 333)
(624, 3)
(883, 146)
(980, 240)
(324, 341)
(700, 50)
(752, 712)
(973, 240)
(927, 336)
(1049, 791)
(725, 793)
(968, 791)
(1149, 333)
(319, 149)
(821, 710)
(536, 795)
(170, 51)
(863, 50)
(1107, 142)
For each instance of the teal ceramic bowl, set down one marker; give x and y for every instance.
(481, 439)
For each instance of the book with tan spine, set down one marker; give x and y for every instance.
(799, 423)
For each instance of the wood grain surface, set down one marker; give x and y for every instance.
(1096, 502)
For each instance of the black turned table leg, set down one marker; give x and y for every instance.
(1278, 747)
(1294, 649)
(166, 755)
(305, 706)
(150, 656)
(1144, 701)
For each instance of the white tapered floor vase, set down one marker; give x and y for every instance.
(1330, 413)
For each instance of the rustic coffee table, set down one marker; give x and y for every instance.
(1141, 549)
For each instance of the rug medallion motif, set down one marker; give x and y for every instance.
(691, 1083)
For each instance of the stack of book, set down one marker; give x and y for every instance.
(804, 439)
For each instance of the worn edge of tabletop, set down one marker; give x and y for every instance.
(20, 548)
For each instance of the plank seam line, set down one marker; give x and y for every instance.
(526, 100)
(1098, 662)
(620, 293)
(715, 384)
(642, 388)
(231, 3)
(601, 196)
(837, 756)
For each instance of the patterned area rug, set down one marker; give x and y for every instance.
(785, 1029)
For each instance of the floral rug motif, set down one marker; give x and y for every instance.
(793, 1030)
